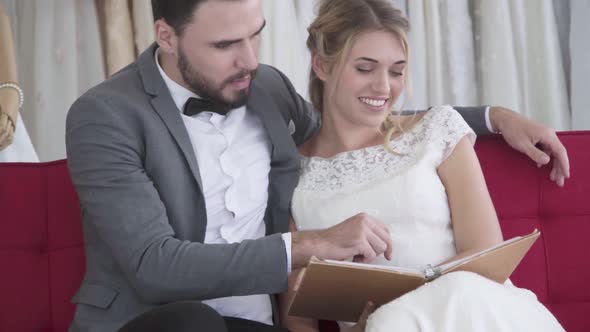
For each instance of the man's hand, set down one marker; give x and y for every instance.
(360, 237)
(525, 135)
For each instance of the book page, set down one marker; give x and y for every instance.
(496, 263)
(377, 267)
(446, 266)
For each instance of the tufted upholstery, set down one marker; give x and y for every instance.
(42, 258)
(557, 268)
(41, 247)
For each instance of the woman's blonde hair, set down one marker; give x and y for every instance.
(337, 27)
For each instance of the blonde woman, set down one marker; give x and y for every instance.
(417, 174)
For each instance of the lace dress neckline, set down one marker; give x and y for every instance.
(404, 136)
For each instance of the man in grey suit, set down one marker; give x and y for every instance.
(185, 163)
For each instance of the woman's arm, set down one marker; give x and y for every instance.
(294, 324)
(9, 97)
(475, 223)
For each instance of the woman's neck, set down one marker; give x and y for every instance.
(337, 135)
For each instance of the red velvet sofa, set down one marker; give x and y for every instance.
(42, 250)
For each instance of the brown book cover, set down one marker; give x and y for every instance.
(335, 290)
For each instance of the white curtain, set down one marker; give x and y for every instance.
(579, 42)
(521, 63)
(59, 57)
(510, 56)
(442, 62)
(501, 52)
(464, 52)
(283, 40)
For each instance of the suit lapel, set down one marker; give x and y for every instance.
(164, 105)
(166, 108)
(261, 104)
(284, 159)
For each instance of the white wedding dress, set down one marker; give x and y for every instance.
(405, 192)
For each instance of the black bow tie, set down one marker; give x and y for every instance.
(195, 106)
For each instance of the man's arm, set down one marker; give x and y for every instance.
(537, 141)
(532, 138)
(475, 118)
(122, 208)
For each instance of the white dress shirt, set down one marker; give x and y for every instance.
(234, 154)
(489, 121)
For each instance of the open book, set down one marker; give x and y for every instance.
(335, 290)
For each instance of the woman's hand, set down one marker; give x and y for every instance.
(360, 325)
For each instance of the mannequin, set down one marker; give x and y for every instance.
(10, 93)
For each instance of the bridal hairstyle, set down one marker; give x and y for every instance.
(338, 25)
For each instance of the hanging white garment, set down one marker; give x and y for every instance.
(283, 41)
(442, 63)
(418, 96)
(435, 56)
(306, 12)
(461, 82)
(59, 57)
(580, 64)
(143, 24)
(21, 149)
(520, 59)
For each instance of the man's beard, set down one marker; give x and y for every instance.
(206, 89)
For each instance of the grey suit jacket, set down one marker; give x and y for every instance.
(143, 210)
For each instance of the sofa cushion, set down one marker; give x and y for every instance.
(41, 247)
(557, 267)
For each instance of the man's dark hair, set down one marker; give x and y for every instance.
(177, 13)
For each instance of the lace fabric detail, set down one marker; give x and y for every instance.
(438, 131)
(451, 130)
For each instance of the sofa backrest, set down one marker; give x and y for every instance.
(557, 268)
(41, 247)
(42, 252)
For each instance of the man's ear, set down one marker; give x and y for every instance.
(320, 67)
(166, 37)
